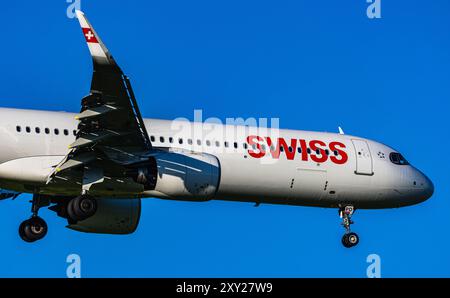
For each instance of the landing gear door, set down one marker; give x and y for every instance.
(364, 163)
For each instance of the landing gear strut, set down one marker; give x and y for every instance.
(35, 228)
(350, 238)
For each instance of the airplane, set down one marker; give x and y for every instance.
(93, 168)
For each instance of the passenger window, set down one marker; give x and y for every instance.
(56, 131)
(152, 138)
(217, 144)
(225, 144)
(190, 141)
(299, 150)
(18, 128)
(290, 149)
(74, 132)
(281, 149)
(170, 140)
(161, 139)
(47, 130)
(308, 150)
(327, 152)
(317, 151)
(66, 132)
(245, 146)
(37, 130)
(336, 152)
(208, 143)
(28, 129)
(236, 145)
(199, 142)
(180, 141)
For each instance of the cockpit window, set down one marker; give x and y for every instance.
(398, 159)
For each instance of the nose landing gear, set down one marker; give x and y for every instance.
(349, 239)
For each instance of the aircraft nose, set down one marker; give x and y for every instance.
(428, 187)
(425, 184)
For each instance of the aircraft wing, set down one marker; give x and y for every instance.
(111, 130)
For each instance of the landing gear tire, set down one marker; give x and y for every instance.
(72, 217)
(349, 240)
(81, 208)
(33, 229)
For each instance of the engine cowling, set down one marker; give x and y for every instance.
(185, 175)
(113, 216)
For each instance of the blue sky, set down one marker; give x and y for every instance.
(313, 64)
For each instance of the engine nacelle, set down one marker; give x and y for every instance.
(185, 175)
(113, 216)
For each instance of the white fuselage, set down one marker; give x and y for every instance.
(360, 172)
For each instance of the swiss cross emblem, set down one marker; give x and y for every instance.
(89, 35)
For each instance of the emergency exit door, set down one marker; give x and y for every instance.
(364, 163)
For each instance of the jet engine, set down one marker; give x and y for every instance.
(113, 216)
(185, 175)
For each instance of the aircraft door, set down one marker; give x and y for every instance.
(364, 163)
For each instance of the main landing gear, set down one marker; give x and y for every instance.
(35, 228)
(81, 208)
(349, 239)
(77, 209)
